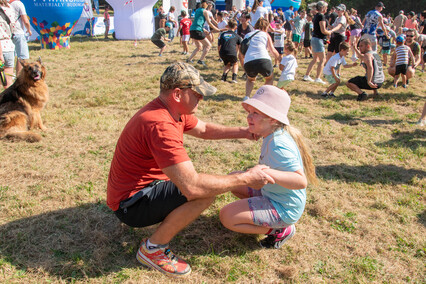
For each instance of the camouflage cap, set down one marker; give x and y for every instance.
(183, 75)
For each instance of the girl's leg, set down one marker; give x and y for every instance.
(206, 47)
(404, 79)
(237, 217)
(269, 80)
(249, 85)
(235, 68)
(9, 79)
(312, 63)
(197, 48)
(395, 80)
(185, 46)
(320, 64)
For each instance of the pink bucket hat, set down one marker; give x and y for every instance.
(272, 101)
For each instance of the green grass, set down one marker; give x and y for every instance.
(364, 222)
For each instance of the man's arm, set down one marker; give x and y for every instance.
(215, 131)
(26, 24)
(195, 185)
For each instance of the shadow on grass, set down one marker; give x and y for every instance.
(384, 174)
(88, 241)
(422, 218)
(412, 140)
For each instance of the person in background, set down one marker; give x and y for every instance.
(159, 37)
(308, 36)
(7, 48)
(338, 29)
(198, 35)
(374, 76)
(319, 34)
(399, 21)
(244, 28)
(171, 19)
(422, 26)
(258, 11)
(289, 15)
(257, 59)
(106, 21)
(288, 65)
(355, 29)
(184, 26)
(411, 22)
(400, 59)
(19, 39)
(297, 24)
(331, 69)
(372, 21)
(279, 39)
(228, 46)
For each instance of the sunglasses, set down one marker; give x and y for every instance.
(409, 35)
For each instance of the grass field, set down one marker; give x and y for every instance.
(364, 222)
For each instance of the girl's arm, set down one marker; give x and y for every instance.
(290, 180)
(336, 28)
(210, 21)
(281, 67)
(271, 48)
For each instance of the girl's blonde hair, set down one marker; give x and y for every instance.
(349, 19)
(290, 47)
(305, 152)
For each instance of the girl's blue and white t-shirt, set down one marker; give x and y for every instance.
(280, 152)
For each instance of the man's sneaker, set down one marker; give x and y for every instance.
(162, 259)
(278, 238)
(318, 80)
(234, 81)
(331, 95)
(362, 97)
(404, 86)
(189, 61)
(324, 95)
(201, 62)
(307, 78)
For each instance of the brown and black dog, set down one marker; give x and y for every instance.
(21, 103)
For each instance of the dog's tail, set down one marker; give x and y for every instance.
(27, 136)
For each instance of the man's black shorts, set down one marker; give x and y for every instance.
(259, 66)
(154, 207)
(159, 43)
(231, 59)
(197, 35)
(361, 82)
(401, 69)
(287, 26)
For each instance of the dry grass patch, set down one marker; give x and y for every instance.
(364, 222)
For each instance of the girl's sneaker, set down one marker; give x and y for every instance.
(278, 237)
(162, 259)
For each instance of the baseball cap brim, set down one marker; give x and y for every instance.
(204, 88)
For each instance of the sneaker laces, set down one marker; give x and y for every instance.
(170, 255)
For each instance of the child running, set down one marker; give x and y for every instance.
(279, 38)
(288, 65)
(228, 43)
(332, 67)
(400, 59)
(184, 26)
(274, 209)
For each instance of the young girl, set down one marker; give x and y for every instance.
(288, 65)
(274, 209)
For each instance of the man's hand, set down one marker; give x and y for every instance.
(249, 135)
(257, 178)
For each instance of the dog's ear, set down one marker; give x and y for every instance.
(39, 60)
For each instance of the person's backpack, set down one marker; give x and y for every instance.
(246, 43)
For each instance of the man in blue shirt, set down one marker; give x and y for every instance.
(372, 20)
(289, 15)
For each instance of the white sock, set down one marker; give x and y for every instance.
(150, 245)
